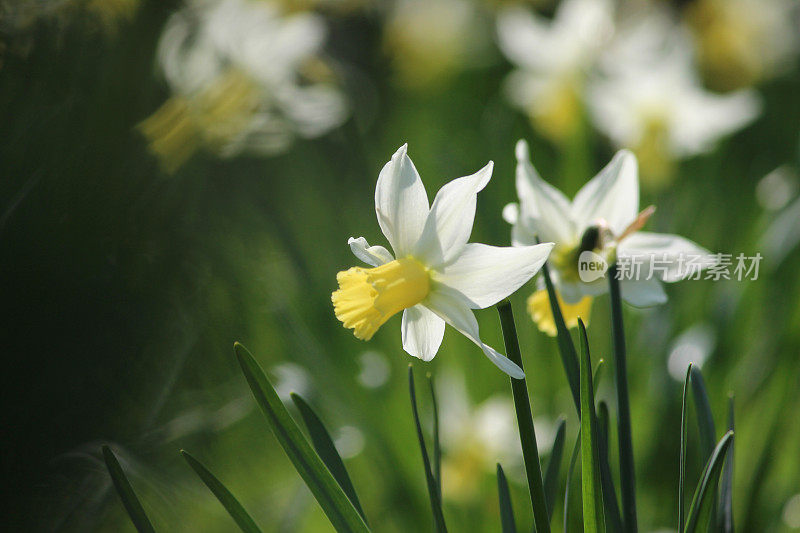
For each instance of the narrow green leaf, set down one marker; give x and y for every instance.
(573, 460)
(527, 435)
(706, 426)
(437, 448)
(433, 492)
(506, 509)
(726, 494)
(334, 502)
(704, 494)
(326, 449)
(682, 474)
(593, 519)
(126, 494)
(610, 505)
(228, 500)
(554, 465)
(626, 464)
(566, 348)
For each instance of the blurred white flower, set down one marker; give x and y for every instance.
(602, 219)
(741, 42)
(349, 441)
(553, 58)
(782, 235)
(434, 276)
(375, 370)
(692, 346)
(474, 439)
(777, 188)
(429, 40)
(648, 98)
(245, 78)
(289, 378)
(791, 512)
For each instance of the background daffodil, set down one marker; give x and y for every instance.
(603, 218)
(434, 275)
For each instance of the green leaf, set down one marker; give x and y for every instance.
(228, 500)
(527, 435)
(126, 494)
(554, 465)
(593, 518)
(610, 505)
(325, 448)
(700, 511)
(437, 448)
(506, 510)
(573, 460)
(705, 423)
(682, 474)
(433, 492)
(626, 464)
(566, 348)
(726, 494)
(334, 502)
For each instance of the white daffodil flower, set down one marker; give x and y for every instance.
(649, 99)
(553, 58)
(434, 275)
(603, 219)
(245, 77)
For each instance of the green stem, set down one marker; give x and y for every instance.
(530, 451)
(627, 474)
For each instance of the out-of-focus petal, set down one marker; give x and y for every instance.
(643, 293)
(664, 256)
(612, 195)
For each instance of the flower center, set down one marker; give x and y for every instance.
(368, 297)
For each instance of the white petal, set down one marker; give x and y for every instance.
(666, 257)
(372, 255)
(486, 274)
(612, 195)
(422, 331)
(450, 220)
(644, 293)
(451, 306)
(544, 209)
(511, 213)
(401, 202)
(523, 37)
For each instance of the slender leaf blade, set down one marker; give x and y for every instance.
(726, 494)
(554, 465)
(506, 509)
(682, 474)
(437, 447)
(610, 504)
(132, 504)
(225, 497)
(704, 493)
(626, 463)
(527, 435)
(573, 460)
(593, 518)
(334, 502)
(706, 426)
(326, 449)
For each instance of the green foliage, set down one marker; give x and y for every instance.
(125, 492)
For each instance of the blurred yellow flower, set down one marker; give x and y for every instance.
(542, 313)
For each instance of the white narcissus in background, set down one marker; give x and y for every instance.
(246, 78)
(553, 58)
(603, 218)
(648, 98)
(435, 275)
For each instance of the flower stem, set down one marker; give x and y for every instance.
(522, 406)
(627, 475)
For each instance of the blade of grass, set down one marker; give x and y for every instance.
(593, 519)
(573, 460)
(228, 500)
(334, 502)
(706, 426)
(566, 348)
(726, 494)
(433, 492)
(682, 474)
(506, 509)
(554, 465)
(527, 435)
(437, 449)
(626, 465)
(326, 449)
(126, 493)
(704, 494)
(610, 504)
